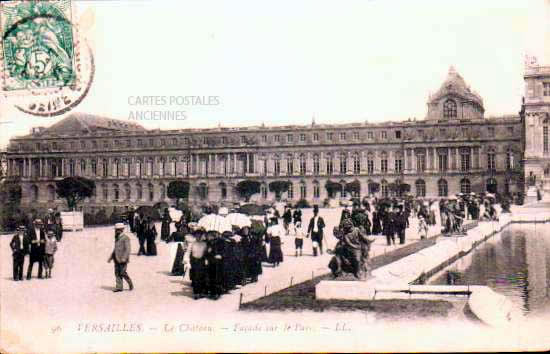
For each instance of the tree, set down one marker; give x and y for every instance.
(248, 188)
(279, 187)
(178, 190)
(74, 190)
(354, 188)
(10, 199)
(332, 188)
(399, 189)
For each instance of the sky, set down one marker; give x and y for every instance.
(285, 62)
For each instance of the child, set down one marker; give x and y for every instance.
(50, 249)
(298, 237)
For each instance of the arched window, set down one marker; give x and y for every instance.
(223, 190)
(330, 166)
(277, 167)
(72, 168)
(94, 167)
(174, 166)
(34, 193)
(149, 167)
(139, 192)
(370, 163)
(384, 188)
(420, 188)
(162, 166)
(384, 162)
(126, 167)
(449, 109)
(290, 192)
(162, 191)
(128, 191)
(343, 192)
(303, 193)
(343, 163)
(316, 190)
(442, 187)
(105, 192)
(116, 192)
(356, 163)
(302, 164)
(151, 192)
(105, 166)
(203, 191)
(290, 165)
(139, 167)
(82, 167)
(116, 168)
(465, 186)
(51, 193)
(491, 159)
(316, 164)
(491, 185)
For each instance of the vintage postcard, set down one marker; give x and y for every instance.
(276, 176)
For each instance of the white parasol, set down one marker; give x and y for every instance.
(239, 220)
(213, 222)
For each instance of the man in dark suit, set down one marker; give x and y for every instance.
(388, 220)
(315, 228)
(121, 257)
(400, 224)
(19, 247)
(37, 238)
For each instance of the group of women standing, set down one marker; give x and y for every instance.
(219, 263)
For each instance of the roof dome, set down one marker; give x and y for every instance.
(455, 84)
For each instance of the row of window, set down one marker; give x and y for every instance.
(126, 192)
(224, 140)
(228, 167)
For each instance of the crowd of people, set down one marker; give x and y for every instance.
(218, 262)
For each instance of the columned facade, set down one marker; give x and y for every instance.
(455, 149)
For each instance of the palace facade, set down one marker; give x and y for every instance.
(454, 149)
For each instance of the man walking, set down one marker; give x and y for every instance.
(19, 247)
(315, 229)
(121, 257)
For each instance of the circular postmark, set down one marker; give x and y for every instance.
(47, 66)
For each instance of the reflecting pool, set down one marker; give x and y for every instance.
(515, 263)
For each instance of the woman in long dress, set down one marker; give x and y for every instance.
(275, 252)
(199, 266)
(165, 228)
(151, 235)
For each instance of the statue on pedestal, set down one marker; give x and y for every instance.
(351, 252)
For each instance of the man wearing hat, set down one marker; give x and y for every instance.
(19, 248)
(121, 256)
(315, 228)
(37, 241)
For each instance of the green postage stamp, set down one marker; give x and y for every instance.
(37, 45)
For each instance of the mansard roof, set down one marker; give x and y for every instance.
(84, 123)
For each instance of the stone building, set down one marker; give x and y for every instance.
(455, 149)
(535, 115)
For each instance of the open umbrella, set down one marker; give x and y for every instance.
(251, 209)
(213, 222)
(239, 220)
